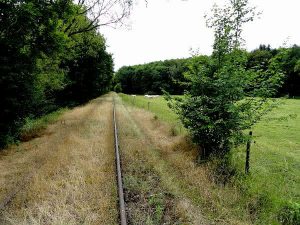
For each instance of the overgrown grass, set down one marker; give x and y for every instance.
(273, 186)
(72, 171)
(34, 127)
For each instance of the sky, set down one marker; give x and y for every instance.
(169, 29)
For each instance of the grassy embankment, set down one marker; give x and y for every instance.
(67, 175)
(275, 160)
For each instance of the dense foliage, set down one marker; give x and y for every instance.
(287, 60)
(47, 60)
(153, 77)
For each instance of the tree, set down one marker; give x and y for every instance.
(28, 32)
(153, 77)
(90, 69)
(217, 109)
(288, 59)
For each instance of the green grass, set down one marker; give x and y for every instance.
(156, 105)
(274, 178)
(34, 127)
(275, 158)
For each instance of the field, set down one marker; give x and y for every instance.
(275, 158)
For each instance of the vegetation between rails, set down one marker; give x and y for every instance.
(273, 184)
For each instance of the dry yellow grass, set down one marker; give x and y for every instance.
(174, 158)
(72, 171)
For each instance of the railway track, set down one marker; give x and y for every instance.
(122, 209)
(121, 202)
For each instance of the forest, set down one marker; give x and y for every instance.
(51, 57)
(168, 75)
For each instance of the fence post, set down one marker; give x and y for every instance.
(247, 164)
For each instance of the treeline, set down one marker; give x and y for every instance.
(152, 78)
(169, 75)
(51, 56)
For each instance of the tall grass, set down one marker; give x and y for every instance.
(73, 172)
(275, 161)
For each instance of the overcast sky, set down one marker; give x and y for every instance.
(168, 29)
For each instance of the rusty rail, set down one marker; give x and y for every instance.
(122, 209)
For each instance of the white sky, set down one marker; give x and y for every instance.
(168, 29)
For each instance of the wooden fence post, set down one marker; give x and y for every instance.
(247, 164)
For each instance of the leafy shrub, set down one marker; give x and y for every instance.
(218, 108)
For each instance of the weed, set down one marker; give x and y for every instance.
(156, 201)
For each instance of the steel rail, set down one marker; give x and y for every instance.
(122, 209)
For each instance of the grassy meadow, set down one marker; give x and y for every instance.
(274, 178)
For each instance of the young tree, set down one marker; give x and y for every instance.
(217, 108)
